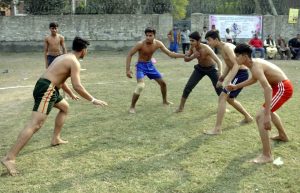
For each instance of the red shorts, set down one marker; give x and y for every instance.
(281, 93)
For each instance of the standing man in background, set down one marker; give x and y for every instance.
(54, 44)
(203, 34)
(185, 40)
(174, 37)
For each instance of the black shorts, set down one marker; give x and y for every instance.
(45, 95)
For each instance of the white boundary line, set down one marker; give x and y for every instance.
(31, 86)
(99, 83)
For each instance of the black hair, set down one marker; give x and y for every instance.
(212, 34)
(150, 30)
(243, 49)
(53, 24)
(79, 44)
(195, 35)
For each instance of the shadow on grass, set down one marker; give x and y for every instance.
(134, 169)
(25, 152)
(230, 178)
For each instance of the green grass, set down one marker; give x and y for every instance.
(152, 151)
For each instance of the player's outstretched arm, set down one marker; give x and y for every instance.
(75, 79)
(248, 82)
(234, 69)
(216, 59)
(62, 44)
(259, 73)
(46, 46)
(67, 90)
(129, 56)
(168, 52)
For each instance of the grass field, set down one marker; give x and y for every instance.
(111, 151)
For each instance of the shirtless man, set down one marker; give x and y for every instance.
(144, 66)
(232, 72)
(205, 67)
(53, 44)
(277, 90)
(46, 95)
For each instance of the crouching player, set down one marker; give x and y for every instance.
(277, 90)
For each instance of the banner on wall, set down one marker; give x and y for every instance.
(240, 26)
(293, 15)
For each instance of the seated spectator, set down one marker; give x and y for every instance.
(283, 48)
(294, 45)
(270, 46)
(257, 45)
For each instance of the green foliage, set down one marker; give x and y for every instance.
(228, 7)
(179, 8)
(7, 2)
(45, 7)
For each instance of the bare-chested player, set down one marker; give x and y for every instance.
(54, 44)
(277, 90)
(145, 66)
(205, 67)
(232, 72)
(46, 95)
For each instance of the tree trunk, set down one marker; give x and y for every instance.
(274, 12)
(257, 7)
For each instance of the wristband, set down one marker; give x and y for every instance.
(93, 99)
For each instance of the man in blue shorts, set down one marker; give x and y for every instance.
(145, 67)
(233, 73)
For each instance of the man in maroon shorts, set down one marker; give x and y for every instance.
(277, 90)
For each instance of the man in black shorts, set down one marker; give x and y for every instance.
(205, 67)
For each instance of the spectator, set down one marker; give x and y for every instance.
(257, 45)
(283, 48)
(270, 46)
(229, 36)
(185, 40)
(294, 45)
(174, 39)
(203, 34)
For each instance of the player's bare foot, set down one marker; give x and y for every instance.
(280, 138)
(178, 110)
(132, 111)
(166, 103)
(212, 132)
(10, 166)
(246, 121)
(58, 141)
(261, 159)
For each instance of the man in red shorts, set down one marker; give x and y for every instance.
(277, 90)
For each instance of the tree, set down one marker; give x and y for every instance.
(179, 8)
(44, 7)
(7, 2)
(273, 9)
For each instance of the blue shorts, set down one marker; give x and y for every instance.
(240, 76)
(148, 69)
(50, 58)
